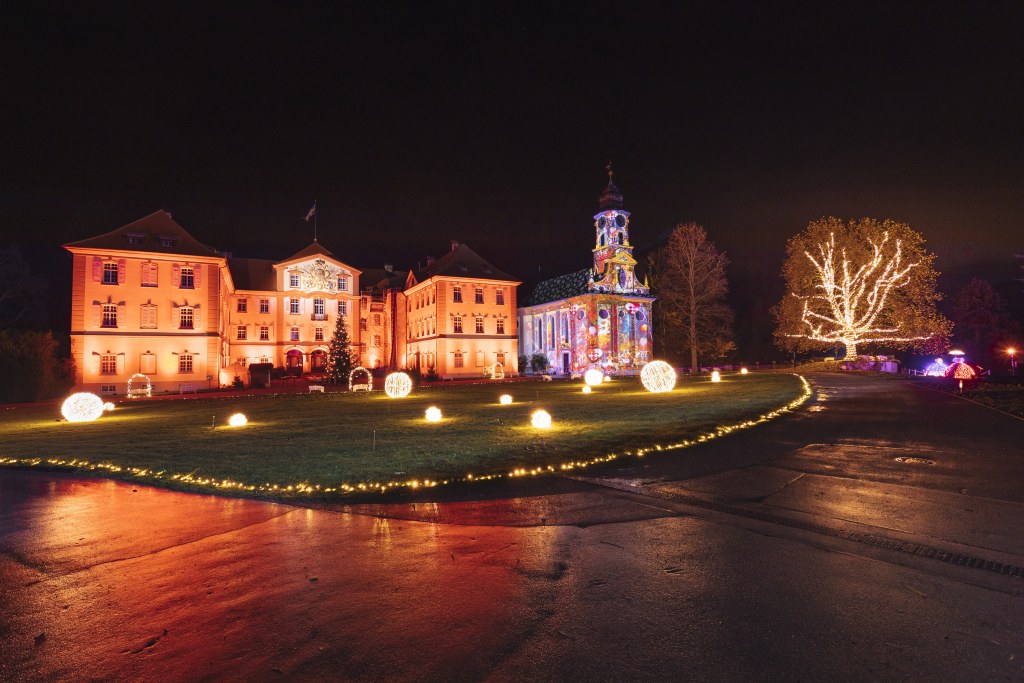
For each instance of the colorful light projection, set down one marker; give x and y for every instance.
(82, 407)
(505, 400)
(433, 414)
(541, 419)
(238, 420)
(397, 385)
(593, 377)
(658, 377)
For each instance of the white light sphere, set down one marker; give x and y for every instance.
(238, 420)
(658, 376)
(82, 407)
(744, 371)
(593, 377)
(541, 419)
(587, 389)
(433, 414)
(505, 399)
(108, 406)
(397, 385)
(607, 378)
(715, 376)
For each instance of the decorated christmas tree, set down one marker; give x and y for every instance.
(339, 356)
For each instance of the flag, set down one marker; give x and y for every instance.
(311, 213)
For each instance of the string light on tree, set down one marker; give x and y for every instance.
(82, 407)
(397, 385)
(658, 377)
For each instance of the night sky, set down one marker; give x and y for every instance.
(413, 127)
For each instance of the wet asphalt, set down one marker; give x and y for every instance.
(877, 534)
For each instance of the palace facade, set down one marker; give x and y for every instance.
(598, 317)
(149, 299)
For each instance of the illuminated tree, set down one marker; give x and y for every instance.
(859, 282)
(339, 354)
(688, 276)
(982, 318)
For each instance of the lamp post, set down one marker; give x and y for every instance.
(1013, 361)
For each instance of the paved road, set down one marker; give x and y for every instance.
(830, 545)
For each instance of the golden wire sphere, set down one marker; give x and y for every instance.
(397, 385)
(82, 407)
(658, 376)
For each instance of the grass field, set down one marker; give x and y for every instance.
(342, 440)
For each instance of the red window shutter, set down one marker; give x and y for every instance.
(97, 269)
(176, 275)
(122, 269)
(198, 276)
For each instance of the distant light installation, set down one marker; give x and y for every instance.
(716, 376)
(541, 419)
(82, 407)
(505, 399)
(587, 389)
(397, 385)
(238, 420)
(744, 371)
(108, 407)
(658, 377)
(139, 379)
(593, 377)
(937, 368)
(433, 414)
(961, 370)
(607, 378)
(352, 375)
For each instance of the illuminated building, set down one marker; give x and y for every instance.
(598, 317)
(149, 298)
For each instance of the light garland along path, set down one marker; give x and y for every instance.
(145, 475)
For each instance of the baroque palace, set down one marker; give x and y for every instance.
(148, 298)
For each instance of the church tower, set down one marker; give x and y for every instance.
(614, 265)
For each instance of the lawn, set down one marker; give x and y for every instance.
(346, 441)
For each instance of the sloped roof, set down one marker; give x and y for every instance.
(253, 274)
(148, 232)
(381, 278)
(464, 262)
(561, 287)
(314, 249)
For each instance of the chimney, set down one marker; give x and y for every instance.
(455, 243)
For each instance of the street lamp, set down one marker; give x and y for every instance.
(1013, 361)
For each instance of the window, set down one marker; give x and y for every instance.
(295, 334)
(294, 306)
(479, 324)
(458, 359)
(264, 333)
(478, 295)
(185, 362)
(135, 238)
(264, 305)
(293, 279)
(147, 363)
(147, 316)
(362, 324)
(457, 324)
(110, 273)
(551, 334)
(481, 358)
(108, 388)
(342, 283)
(108, 364)
(243, 306)
(109, 315)
(243, 332)
(376, 340)
(501, 326)
(457, 294)
(186, 318)
(376, 318)
(188, 279)
(169, 242)
(318, 334)
(342, 308)
(149, 275)
(318, 310)
(499, 297)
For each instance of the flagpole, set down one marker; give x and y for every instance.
(315, 212)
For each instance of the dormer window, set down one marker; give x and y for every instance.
(168, 241)
(135, 238)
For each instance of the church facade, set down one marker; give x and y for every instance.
(149, 299)
(598, 317)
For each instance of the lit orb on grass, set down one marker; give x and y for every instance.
(433, 414)
(587, 389)
(108, 406)
(607, 378)
(715, 376)
(505, 399)
(541, 419)
(82, 407)
(238, 420)
(658, 376)
(593, 377)
(397, 385)
(744, 371)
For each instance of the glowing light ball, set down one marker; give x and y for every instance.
(593, 377)
(82, 407)
(744, 371)
(587, 389)
(108, 406)
(397, 385)
(505, 399)
(433, 414)
(715, 376)
(238, 420)
(607, 378)
(541, 419)
(658, 376)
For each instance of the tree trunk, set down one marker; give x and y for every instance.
(851, 349)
